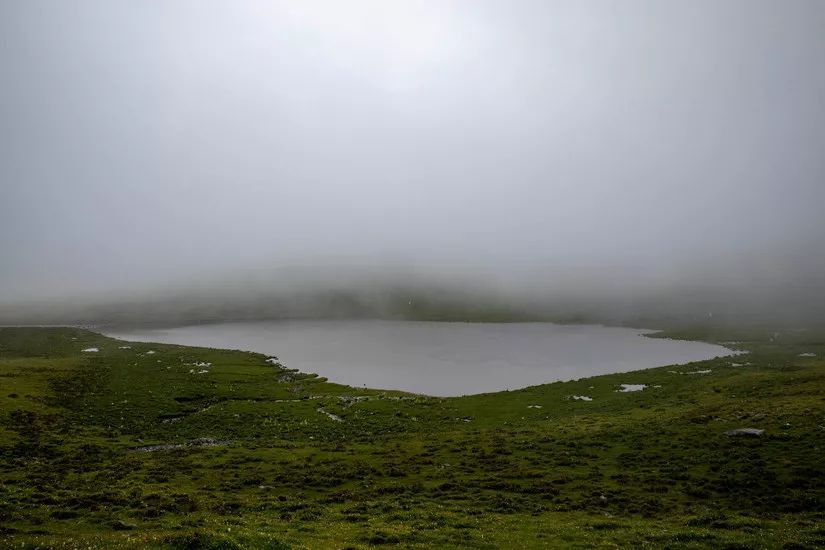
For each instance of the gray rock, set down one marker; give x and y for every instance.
(745, 431)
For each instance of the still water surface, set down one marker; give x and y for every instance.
(440, 358)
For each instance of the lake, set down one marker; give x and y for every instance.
(443, 359)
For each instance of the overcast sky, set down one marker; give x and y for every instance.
(145, 143)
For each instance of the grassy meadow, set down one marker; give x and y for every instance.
(159, 446)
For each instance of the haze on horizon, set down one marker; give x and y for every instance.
(548, 147)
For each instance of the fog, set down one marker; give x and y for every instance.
(583, 157)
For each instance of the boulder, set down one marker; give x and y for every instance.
(756, 432)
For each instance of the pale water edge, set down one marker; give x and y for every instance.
(436, 358)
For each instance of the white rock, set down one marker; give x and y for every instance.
(331, 416)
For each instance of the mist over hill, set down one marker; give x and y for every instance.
(448, 299)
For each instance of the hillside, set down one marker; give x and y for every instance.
(160, 446)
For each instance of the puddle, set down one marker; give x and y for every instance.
(201, 442)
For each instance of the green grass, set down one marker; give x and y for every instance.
(646, 469)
